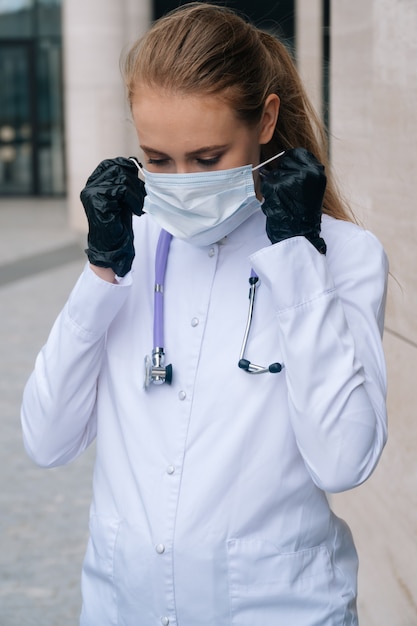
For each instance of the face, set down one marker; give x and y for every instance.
(194, 133)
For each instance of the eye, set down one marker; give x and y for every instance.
(157, 162)
(209, 162)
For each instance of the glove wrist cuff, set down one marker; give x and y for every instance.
(119, 261)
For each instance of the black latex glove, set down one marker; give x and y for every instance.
(293, 196)
(112, 193)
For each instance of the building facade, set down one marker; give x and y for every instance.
(373, 128)
(373, 88)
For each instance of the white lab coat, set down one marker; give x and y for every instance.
(209, 495)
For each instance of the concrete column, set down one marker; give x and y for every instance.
(96, 116)
(309, 48)
(138, 16)
(374, 126)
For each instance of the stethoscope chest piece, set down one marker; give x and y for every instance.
(155, 370)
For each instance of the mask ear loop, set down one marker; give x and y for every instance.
(139, 166)
(277, 156)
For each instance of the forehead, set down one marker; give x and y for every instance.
(162, 116)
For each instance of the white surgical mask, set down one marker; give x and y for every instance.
(201, 207)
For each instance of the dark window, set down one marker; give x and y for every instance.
(31, 123)
(326, 62)
(278, 16)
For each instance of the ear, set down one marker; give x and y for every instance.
(269, 118)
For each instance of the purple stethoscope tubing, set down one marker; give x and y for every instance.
(161, 259)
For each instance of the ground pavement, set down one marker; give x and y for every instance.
(43, 513)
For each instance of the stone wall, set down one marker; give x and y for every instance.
(374, 151)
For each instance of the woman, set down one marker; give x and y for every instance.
(210, 486)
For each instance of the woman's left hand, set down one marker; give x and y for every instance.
(293, 197)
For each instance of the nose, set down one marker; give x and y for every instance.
(185, 168)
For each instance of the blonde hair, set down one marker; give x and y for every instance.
(207, 49)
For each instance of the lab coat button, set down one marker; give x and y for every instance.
(212, 252)
(182, 395)
(195, 321)
(165, 621)
(160, 548)
(170, 469)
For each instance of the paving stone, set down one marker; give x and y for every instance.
(43, 513)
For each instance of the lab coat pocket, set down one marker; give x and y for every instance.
(117, 575)
(295, 588)
(99, 597)
(137, 578)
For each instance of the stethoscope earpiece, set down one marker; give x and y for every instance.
(251, 368)
(275, 368)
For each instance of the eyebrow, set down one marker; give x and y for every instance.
(192, 153)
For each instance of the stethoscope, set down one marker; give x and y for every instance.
(156, 371)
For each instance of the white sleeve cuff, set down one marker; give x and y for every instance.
(94, 303)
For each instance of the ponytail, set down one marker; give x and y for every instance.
(298, 124)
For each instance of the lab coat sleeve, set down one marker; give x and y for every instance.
(330, 312)
(58, 408)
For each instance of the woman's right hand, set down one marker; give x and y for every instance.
(112, 193)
